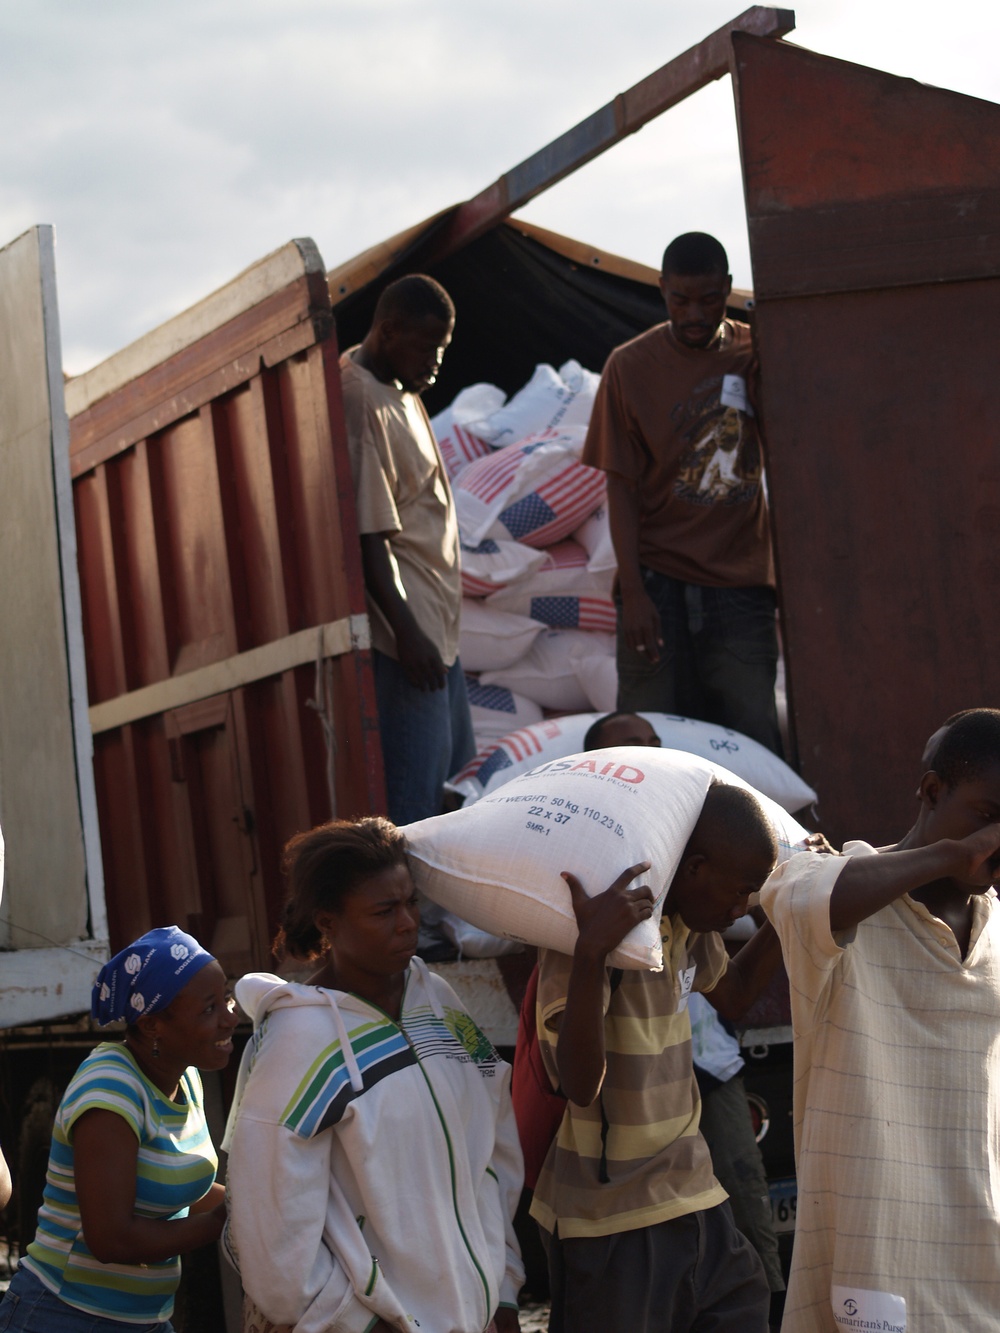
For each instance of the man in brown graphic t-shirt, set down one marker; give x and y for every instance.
(675, 429)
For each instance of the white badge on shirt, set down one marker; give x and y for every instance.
(853, 1307)
(734, 394)
(685, 979)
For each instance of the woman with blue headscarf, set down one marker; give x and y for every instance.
(131, 1177)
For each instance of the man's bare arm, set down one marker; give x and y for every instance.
(604, 921)
(868, 883)
(418, 656)
(747, 975)
(640, 618)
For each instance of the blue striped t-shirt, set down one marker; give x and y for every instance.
(175, 1168)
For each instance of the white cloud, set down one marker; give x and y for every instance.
(174, 144)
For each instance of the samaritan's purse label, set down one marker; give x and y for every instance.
(734, 394)
(868, 1311)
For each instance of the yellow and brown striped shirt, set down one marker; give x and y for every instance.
(644, 1123)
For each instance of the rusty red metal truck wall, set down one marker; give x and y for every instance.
(874, 214)
(229, 678)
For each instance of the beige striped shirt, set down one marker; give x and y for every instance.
(897, 1108)
(657, 1162)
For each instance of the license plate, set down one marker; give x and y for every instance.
(784, 1196)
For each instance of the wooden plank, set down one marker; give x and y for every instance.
(47, 800)
(191, 544)
(881, 430)
(630, 111)
(330, 640)
(222, 361)
(141, 612)
(356, 273)
(256, 285)
(589, 256)
(102, 611)
(944, 237)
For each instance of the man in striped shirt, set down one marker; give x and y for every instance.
(893, 959)
(639, 1234)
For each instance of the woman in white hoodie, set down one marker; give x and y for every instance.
(374, 1164)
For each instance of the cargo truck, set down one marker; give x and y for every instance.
(206, 633)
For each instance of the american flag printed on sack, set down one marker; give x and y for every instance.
(490, 477)
(536, 501)
(459, 448)
(565, 555)
(497, 698)
(495, 564)
(558, 506)
(471, 585)
(513, 749)
(574, 612)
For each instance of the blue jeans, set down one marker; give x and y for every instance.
(29, 1307)
(426, 738)
(718, 660)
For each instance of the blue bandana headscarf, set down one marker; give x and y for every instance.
(146, 976)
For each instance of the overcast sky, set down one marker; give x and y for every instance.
(173, 144)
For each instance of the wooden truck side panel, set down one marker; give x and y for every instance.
(227, 648)
(874, 216)
(52, 922)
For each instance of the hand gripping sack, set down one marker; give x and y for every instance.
(498, 863)
(527, 747)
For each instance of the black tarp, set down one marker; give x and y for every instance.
(518, 303)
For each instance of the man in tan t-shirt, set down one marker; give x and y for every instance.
(409, 544)
(675, 429)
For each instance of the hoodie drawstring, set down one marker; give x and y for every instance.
(420, 967)
(350, 1059)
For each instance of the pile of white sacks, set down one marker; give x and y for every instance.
(538, 619)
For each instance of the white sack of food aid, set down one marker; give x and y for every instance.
(550, 400)
(562, 592)
(476, 402)
(496, 711)
(598, 677)
(547, 674)
(536, 491)
(493, 565)
(472, 942)
(491, 638)
(584, 384)
(556, 737)
(498, 864)
(459, 448)
(594, 535)
(459, 445)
